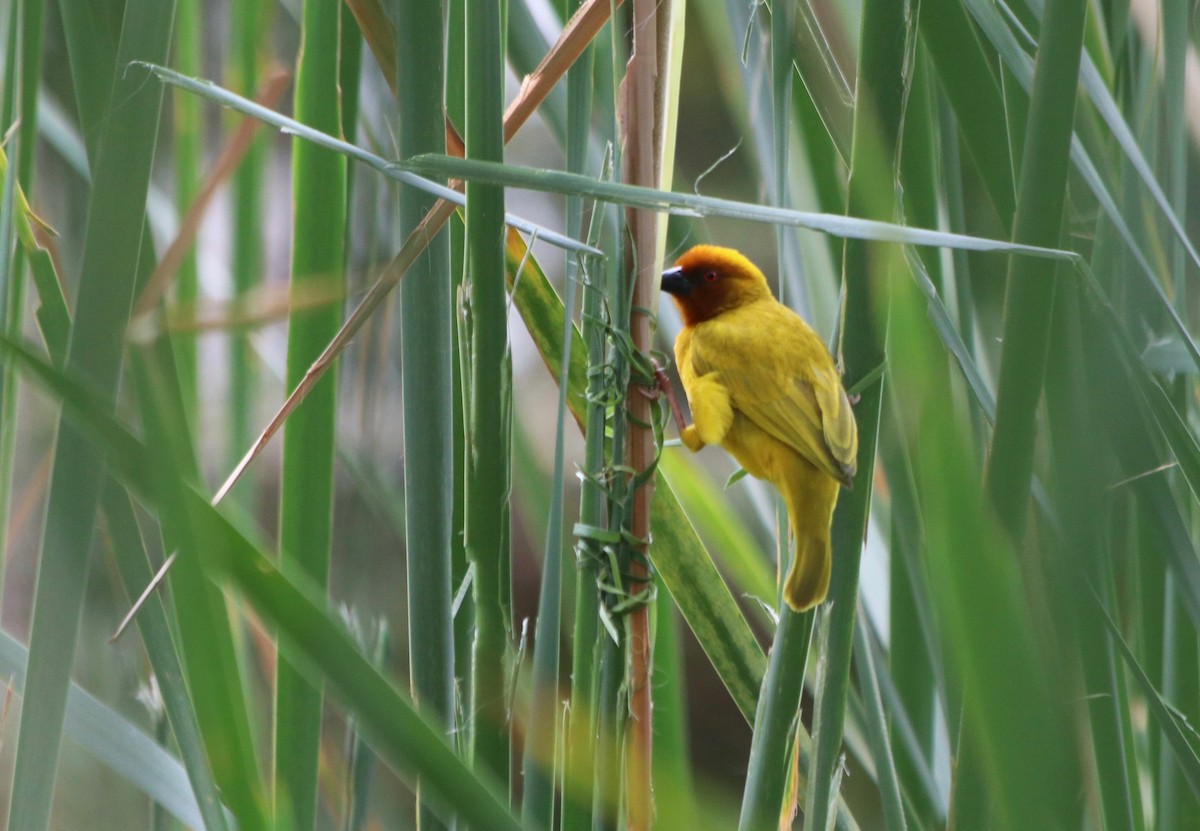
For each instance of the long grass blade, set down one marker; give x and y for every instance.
(578, 778)
(487, 467)
(427, 315)
(209, 90)
(130, 554)
(19, 105)
(211, 656)
(189, 38)
(1168, 721)
(118, 743)
(306, 499)
(881, 742)
(247, 29)
(775, 723)
(1041, 196)
(691, 205)
(675, 804)
(314, 638)
(123, 157)
(867, 275)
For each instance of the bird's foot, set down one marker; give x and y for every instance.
(663, 386)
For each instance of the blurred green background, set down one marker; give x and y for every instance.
(1011, 637)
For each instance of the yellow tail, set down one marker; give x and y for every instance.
(808, 579)
(811, 496)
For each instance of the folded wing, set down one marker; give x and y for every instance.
(791, 396)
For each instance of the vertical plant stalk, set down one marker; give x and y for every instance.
(610, 709)
(677, 809)
(540, 765)
(781, 100)
(427, 317)
(23, 77)
(1176, 26)
(1179, 640)
(306, 505)
(771, 753)
(1016, 746)
(913, 670)
(12, 291)
(129, 553)
(124, 153)
(350, 51)
(580, 742)
(612, 669)
(360, 773)
(12, 287)
(246, 26)
(778, 711)
(638, 124)
(188, 164)
(1083, 553)
(487, 463)
(925, 164)
(20, 96)
(1041, 197)
(945, 28)
(537, 808)
(877, 730)
(460, 567)
(214, 681)
(866, 269)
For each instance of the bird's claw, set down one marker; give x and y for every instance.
(663, 387)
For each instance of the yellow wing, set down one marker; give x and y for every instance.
(786, 384)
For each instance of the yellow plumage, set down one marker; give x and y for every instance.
(762, 385)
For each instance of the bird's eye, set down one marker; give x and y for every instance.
(710, 276)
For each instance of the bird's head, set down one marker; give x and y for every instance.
(709, 280)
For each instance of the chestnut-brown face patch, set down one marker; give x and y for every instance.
(709, 280)
(708, 293)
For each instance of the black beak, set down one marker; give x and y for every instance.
(673, 282)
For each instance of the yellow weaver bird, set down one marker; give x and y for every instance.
(761, 384)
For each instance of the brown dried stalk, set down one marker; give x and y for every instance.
(638, 96)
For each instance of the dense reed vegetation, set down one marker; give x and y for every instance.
(475, 581)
